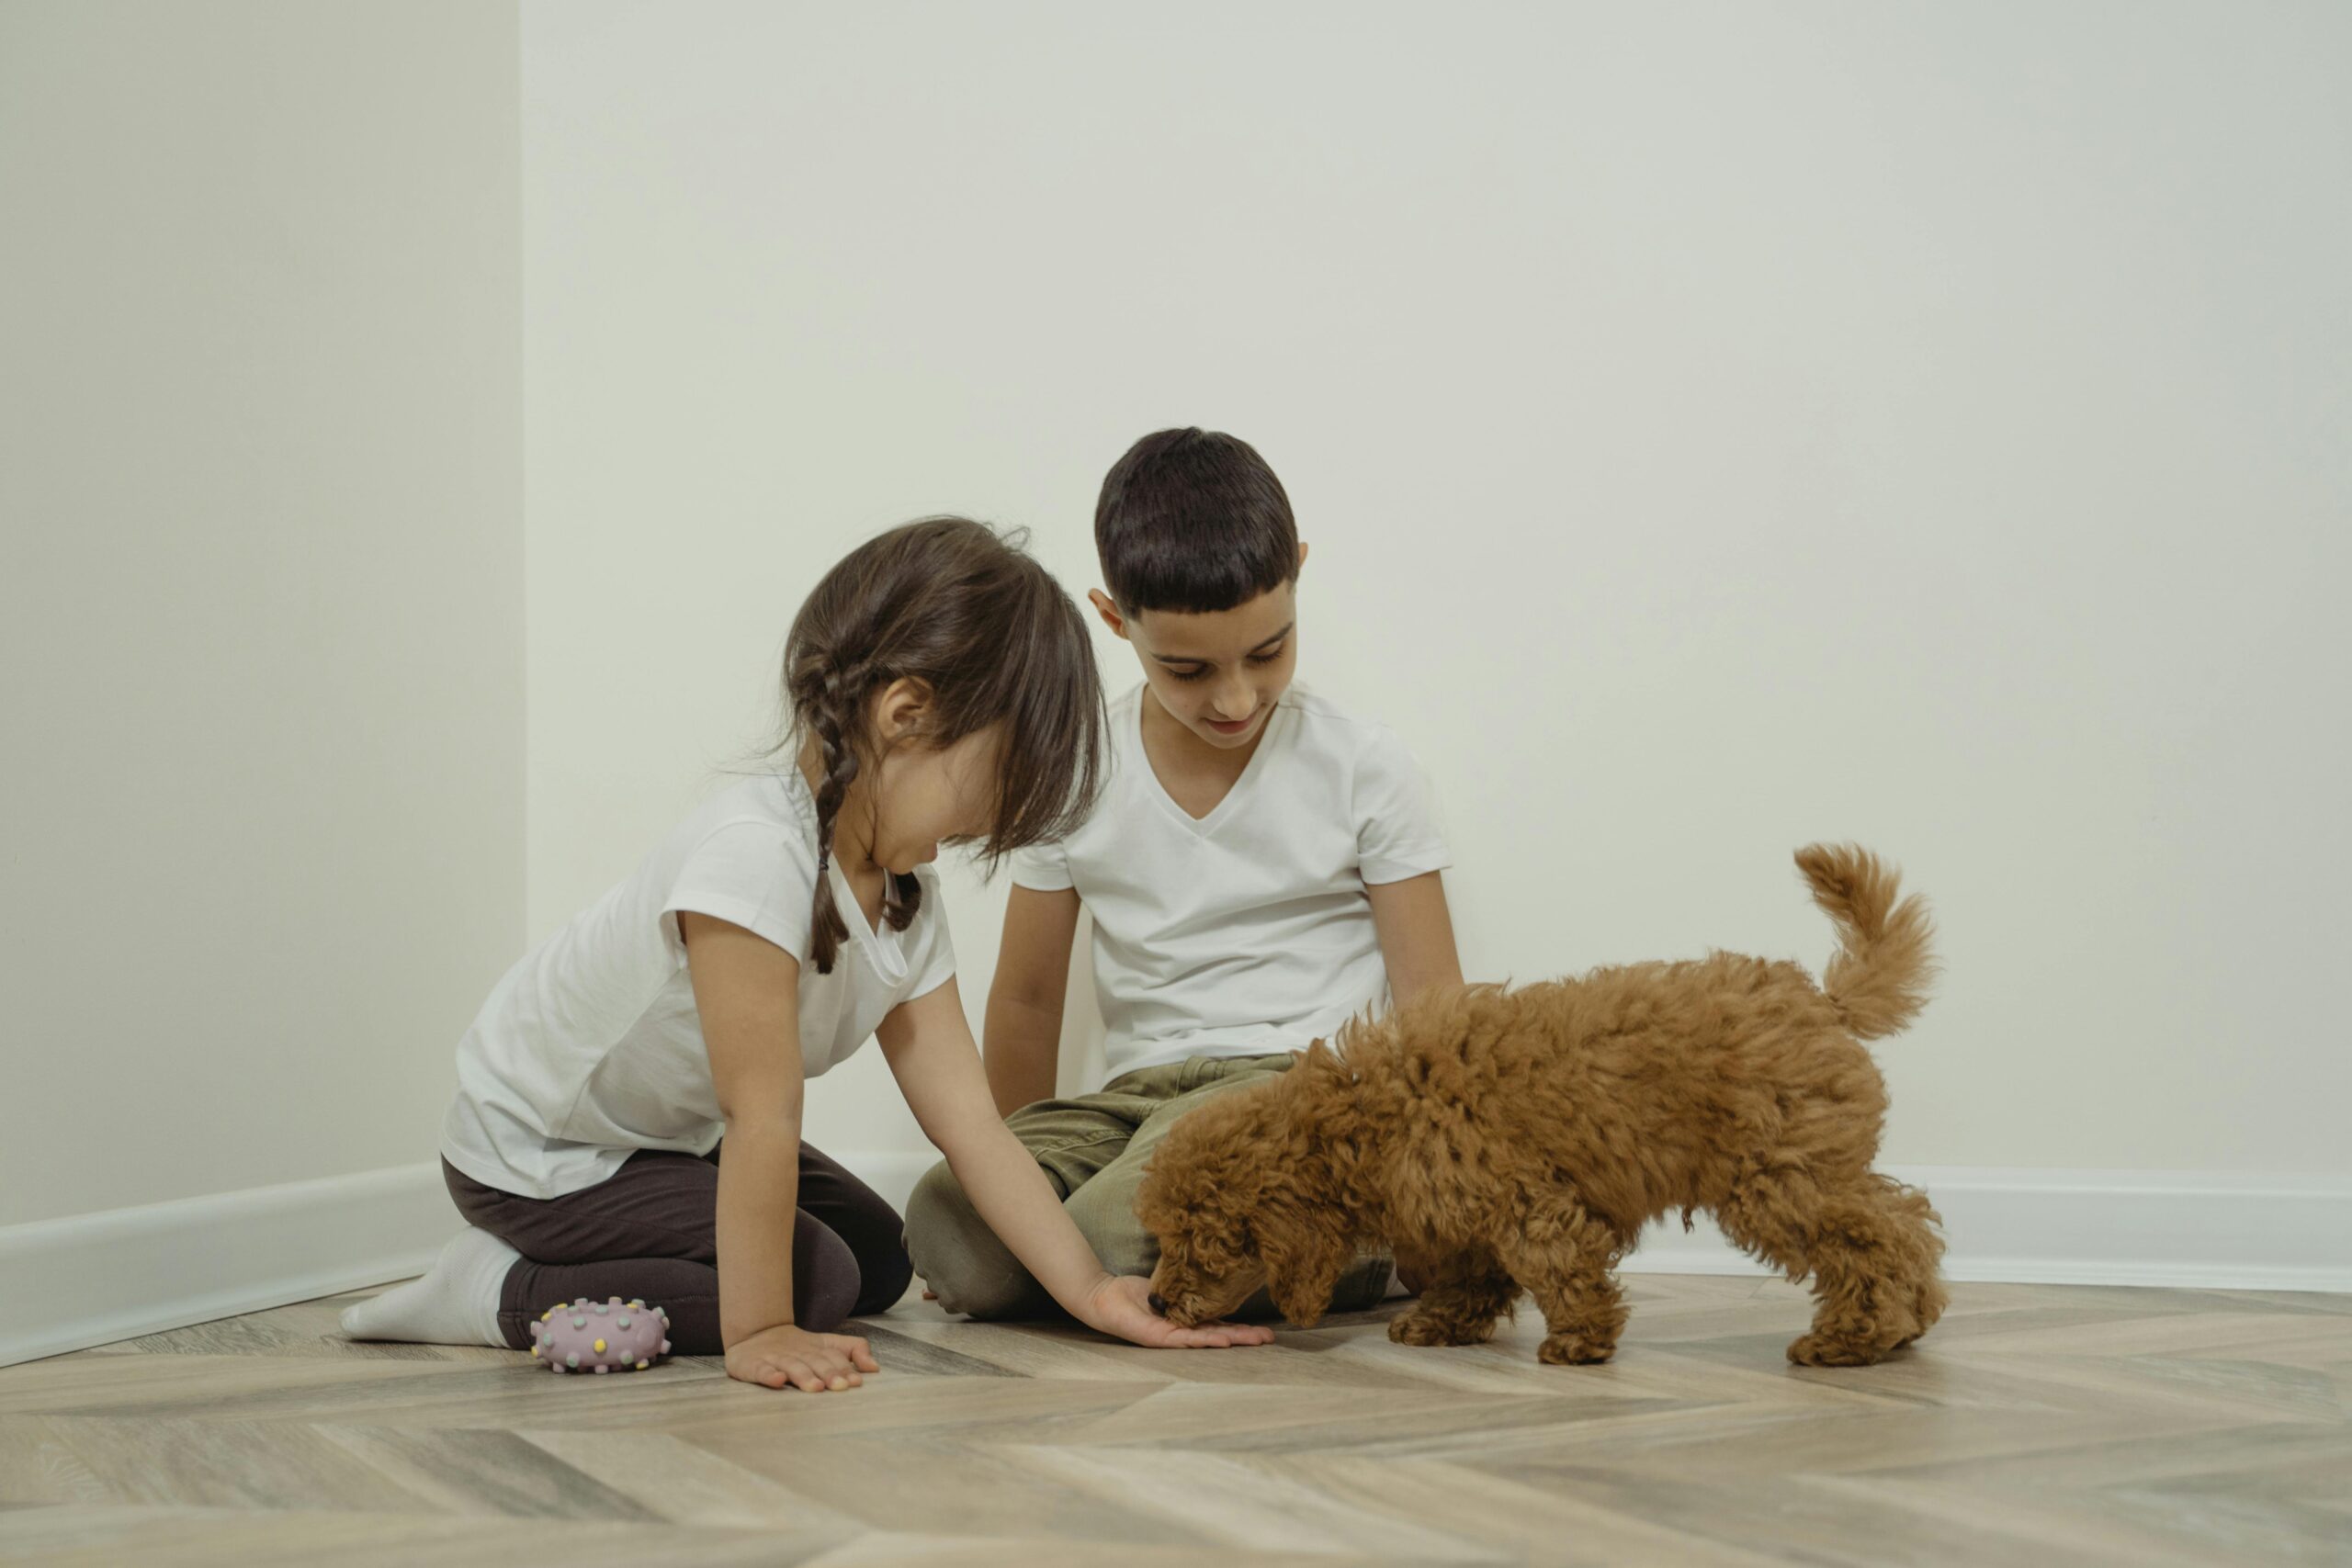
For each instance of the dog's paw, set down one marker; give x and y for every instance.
(1573, 1350)
(1425, 1327)
(1816, 1350)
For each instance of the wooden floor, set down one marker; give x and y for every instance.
(2037, 1426)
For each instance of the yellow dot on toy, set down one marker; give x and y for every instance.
(600, 1346)
(642, 1365)
(535, 1350)
(546, 1315)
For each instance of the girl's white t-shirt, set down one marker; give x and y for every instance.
(1247, 932)
(590, 1048)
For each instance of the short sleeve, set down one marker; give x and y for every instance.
(755, 874)
(1398, 835)
(1042, 867)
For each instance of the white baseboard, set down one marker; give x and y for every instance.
(94, 1279)
(89, 1279)
(2210, 1230)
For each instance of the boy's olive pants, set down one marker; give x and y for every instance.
(1093, 1149)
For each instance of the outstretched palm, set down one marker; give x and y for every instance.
(1121, 1304)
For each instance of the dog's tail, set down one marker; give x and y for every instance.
(1878, 977)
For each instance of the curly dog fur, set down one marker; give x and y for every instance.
(1505, 1139)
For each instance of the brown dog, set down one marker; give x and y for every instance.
(1500, 1139)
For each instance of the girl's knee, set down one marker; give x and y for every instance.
(826, 1278)
(884, 1275)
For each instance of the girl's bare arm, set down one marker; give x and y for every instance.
(747, 992)
(930, 1049)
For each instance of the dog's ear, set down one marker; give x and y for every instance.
(1304, 1251)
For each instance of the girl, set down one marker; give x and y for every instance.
(942, 690)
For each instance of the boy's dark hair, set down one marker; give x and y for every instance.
(952, 604)
(1193, 520)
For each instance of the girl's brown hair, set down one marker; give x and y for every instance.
(966, 612)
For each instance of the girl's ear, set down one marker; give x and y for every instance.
(902, 709)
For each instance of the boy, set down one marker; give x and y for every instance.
(1261, 867)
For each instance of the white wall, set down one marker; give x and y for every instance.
(1717, 429)
(260, 610)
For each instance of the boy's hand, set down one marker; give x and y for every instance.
(1121, 1304)
(789, 1355)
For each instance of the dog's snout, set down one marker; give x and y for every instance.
(1157, 1302)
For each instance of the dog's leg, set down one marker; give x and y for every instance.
(1463, 1295)
(1912, 1219)
(1870, 1247)
(1563, 1252)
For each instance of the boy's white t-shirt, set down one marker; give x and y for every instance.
(1247, 931)
(590, 1048)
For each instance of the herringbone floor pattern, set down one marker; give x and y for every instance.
(2037, 1426)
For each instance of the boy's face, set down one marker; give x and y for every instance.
(1220, 673)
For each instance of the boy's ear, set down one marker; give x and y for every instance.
(1109, 612)
(1301, 558)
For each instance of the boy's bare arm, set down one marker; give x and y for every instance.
(1021, 1036)
(1415, 934)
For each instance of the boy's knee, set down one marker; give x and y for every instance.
(1366, 1284)
(958, 1256)
(1106, 1214)
(938, 1217)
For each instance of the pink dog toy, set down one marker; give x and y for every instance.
(603, 1336)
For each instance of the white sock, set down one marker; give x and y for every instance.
(455, 1304)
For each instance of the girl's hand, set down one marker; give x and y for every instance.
(1121, 1304)
(789, 1355)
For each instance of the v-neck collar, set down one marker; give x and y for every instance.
(881, 943)
(1204, 826)
(880, 939)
